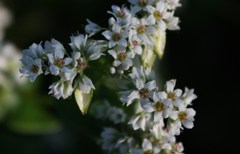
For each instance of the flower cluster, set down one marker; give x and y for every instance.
(136, 34)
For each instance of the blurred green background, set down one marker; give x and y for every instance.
(203, 55)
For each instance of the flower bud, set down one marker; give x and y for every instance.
(148, 57)
(83, 99)
(160, 42)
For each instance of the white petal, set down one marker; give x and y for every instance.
(151, 85)
(107, 34)
(188, 124)
(139, 84)
(54, 70)
(113, 53)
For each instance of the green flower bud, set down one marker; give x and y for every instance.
(160, 42)
(83, 99)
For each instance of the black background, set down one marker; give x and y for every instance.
(203, 56)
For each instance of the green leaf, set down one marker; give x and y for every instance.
(83, 100)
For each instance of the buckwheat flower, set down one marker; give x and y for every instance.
(31, 67)
(177, 148)
(188, 96)
(109, 139)
(174, 128)
(139, 5)
(58, 62)
(61, 89)
(173, 4)
(122, 15)
(158, 15)
(143, 31)
(117, 36)
(142, 93)
(122, 58)
(171, 93)
(149, 148)
(161, 106)
(52, 46)
(85, 84)
(140, 121)
(91, 28)
(135, 43)
(86, 48)
(35, 51)
(157, 129)
(186, 116)
(124, 144)
(172, 23)
(116, 115)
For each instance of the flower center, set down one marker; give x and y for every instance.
(157, 15)
(135, 43)
(182, 116)
(121, 13)
(34, 69)
(171, 95)
(142, 3)
(116, 37)
(141, 29)
(59, 62)
(143, 93)
(82, 65)
(122, 56)
(159, 106)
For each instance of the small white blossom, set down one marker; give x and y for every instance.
(148, 147)
(61, 89)
(91, 28)
(188, 96)
(122, 14)
(31, 67)
(140, 121)
(57, 61)
(117, 36)
(122, 58)
(139, 5)
(109, 139)
(161, 107)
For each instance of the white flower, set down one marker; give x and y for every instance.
(161, 106)
(35, 51)
(91, 28)
(171, 93)
(143, 31)
(158, 14)
(116, 115)
(85, 84)
(139, 5)
(173, 4)
(172, 23)
(140, 121)
(117, 36)
(122, 58)
(149, 148)
(188, 96)
(52, 46)
(61, 89)
(122, 15)
(58, 63)
(109, 139)
(31, 67)
(187, 117)
(177, 148)
(86, 48)
(135, 43)
(124, 144)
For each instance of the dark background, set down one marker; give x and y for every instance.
(203, 56)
